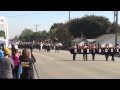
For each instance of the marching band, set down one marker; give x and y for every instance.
(87, 49)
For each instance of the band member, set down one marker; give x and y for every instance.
(106, 51)
(31, 47)
(112, 52)
(117, 50)
(93, 51)
(85, 52)
(73, 49)
(41, 46)
(48, 47)
(56, 47)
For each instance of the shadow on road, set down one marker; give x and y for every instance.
(83, 60)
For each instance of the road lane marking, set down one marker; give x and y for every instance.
(45, 56)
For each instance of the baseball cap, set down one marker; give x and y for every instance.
(7, 51)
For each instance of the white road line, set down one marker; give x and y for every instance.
(45, 56)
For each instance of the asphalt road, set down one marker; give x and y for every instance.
(59, 65)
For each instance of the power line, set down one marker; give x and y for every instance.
(30, 14)
(93, 11)
(52, 12)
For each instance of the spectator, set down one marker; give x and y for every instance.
(6, 66)
(27, 64)
(1, 53)
(15, 57)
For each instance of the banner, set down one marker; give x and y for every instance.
(94, 50)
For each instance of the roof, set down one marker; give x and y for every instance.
(91, 40)
(108, 38)
(105, 37)
(78, 40)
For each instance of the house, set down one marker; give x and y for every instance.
(107, 39)
(81, 41)
(78, 41)
(101, 40)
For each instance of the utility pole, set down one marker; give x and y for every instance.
(114, 17)
(69, 29)
(69, 16)
(36, 27)
(116, 14)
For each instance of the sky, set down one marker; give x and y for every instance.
(19, 20)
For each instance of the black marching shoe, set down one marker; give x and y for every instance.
(112, 59)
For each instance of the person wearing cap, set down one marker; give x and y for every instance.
(6, 66)
(1, 53)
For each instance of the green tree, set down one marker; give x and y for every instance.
(2, 33)
(56, 25)
(52, 33)
(26, 32)
(63, 34)
(16, 38)
(90, 26)
(26, 35)
(53, 30)
(112, 28)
